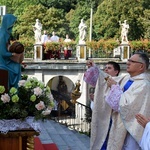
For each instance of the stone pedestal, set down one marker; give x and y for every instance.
(38, 52)
(81, 52)
(125, 52)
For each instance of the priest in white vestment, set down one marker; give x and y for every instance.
(125, 132)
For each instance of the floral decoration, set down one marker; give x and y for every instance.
(71, 44)
(31, 98)
(52, 46)
(143, 44)
(102, 44)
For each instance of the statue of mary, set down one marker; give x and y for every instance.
(82, 32)
(37, 28)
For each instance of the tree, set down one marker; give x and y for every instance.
(52, 20)
(14, 5)
(66, 5)
(64, 17)
(110, 12)
(27, 20)
(146, 23)
(74, 17)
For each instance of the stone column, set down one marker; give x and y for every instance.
(125, 52)
(38, 52)
(81, 52)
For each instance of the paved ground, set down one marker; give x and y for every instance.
(63, 137)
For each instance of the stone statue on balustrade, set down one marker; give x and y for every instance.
(124, 32)
(37, 28)
(82, 32)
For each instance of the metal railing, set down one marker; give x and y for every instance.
(98, 53)
(79, 119)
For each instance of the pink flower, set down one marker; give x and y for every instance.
(37, 91)
(21, 83)
(5, 98)
(40, 105)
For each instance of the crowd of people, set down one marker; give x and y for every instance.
(43, 39)
(46, 38)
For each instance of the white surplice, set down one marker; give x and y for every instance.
(145, 141)
(134, 100)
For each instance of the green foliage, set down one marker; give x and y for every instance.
(55, 21)
(146, 23)
(66, 5)
(58, 45)
(71, 44)
(92, 45)
(140, 45)
(110, 12)
(17, 6)
(64, 16)
(52, 46)
(81, 12)
(27, 20)
(28, 46)
(102, 44)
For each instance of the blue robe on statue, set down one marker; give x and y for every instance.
(13, 68)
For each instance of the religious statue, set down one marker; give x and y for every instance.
(76, 92)
(77, 87)
(10, 61)
(82, 32)
(63, 96)
(37, 28)
(62, 87)
(124, 31)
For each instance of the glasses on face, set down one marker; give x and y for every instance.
(133, 61)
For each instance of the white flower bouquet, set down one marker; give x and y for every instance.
(31, 98)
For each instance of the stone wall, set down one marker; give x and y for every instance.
(71, 70)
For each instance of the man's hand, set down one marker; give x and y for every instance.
(17, 57)
(90, 63)
(110, 82)
(142, 120)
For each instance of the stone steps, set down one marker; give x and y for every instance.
(63, 137)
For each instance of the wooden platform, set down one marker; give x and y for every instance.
(18, 140)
